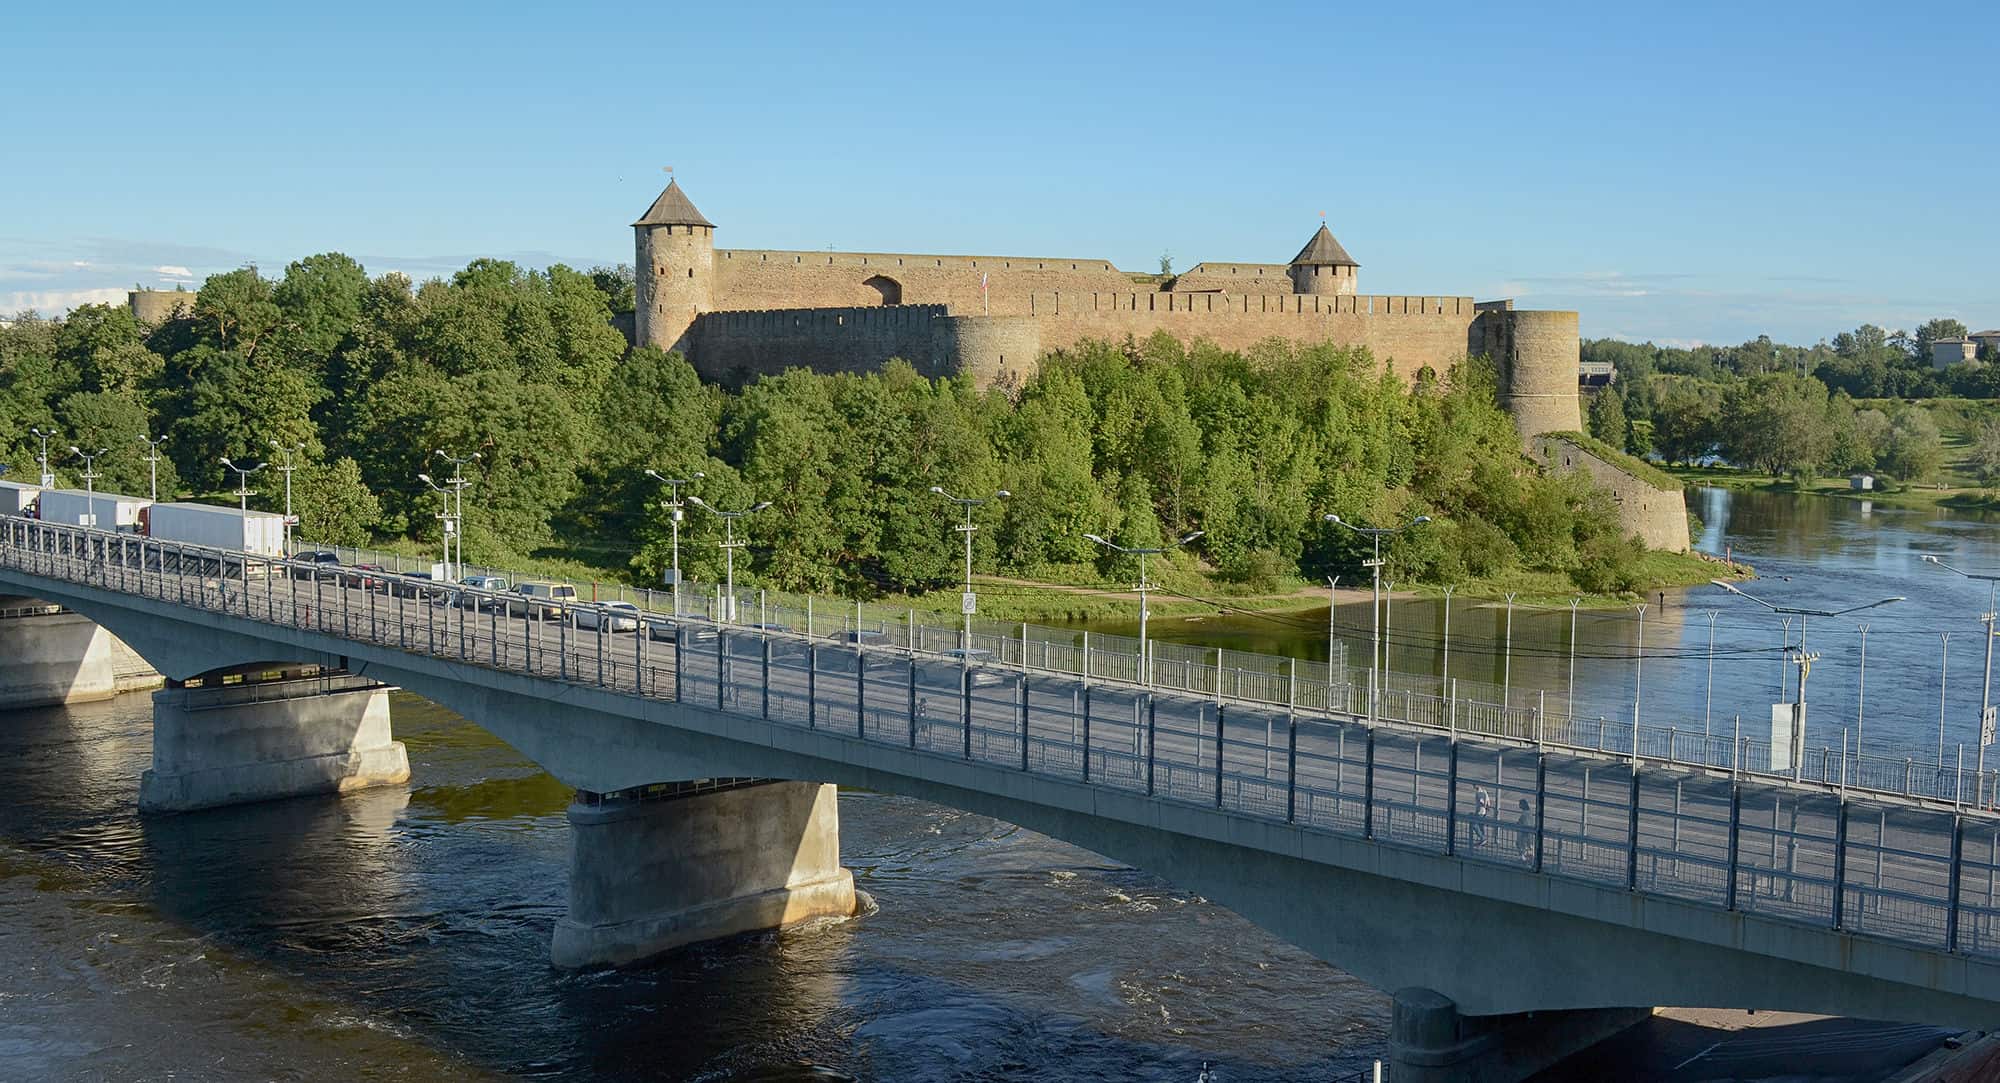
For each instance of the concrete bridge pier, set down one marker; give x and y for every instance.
(1430, 1042)
(663, 866)
(234, 744)
(49, 657)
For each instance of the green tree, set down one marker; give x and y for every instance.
(332, 503)
(1983, 457)
(114, 421)
(1607, 418)
(1777, 422)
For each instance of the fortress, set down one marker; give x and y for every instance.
(737, 313)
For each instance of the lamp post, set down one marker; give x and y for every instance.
(1804, 660)
(1375, 534)
(1986, 685)
(675, 514)
(1861, 691)
(48, 475)
(447, 526)
(967, 603)
(286, 470)
(1332, 634)
(1639, 683)
(243, 493)
(152, 458)
(458, 483)
(729, 545)
(90, 476)
(1507, 660)
(1145, 669)
(1445, 677)
(1575, 602)
(1708, 697)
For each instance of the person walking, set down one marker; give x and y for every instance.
(1482, 811)
(1524, 832)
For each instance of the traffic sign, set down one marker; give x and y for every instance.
(968, 603)
(1986, 725)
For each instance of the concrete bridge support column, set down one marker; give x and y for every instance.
(656, 869)
(1430, 1042)
(237, 744)
(51, 658)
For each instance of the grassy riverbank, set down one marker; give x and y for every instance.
(1956, 492)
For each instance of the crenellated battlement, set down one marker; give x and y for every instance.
(1230, 304)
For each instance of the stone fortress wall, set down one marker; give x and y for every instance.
(155, 307)
(1658, 516)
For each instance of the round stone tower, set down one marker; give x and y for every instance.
(673, 270)
(1323, 267)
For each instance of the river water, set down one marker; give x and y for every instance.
(402, 933)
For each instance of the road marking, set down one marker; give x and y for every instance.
(1694, 1058)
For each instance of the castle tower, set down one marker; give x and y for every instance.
(673, 269)
(1323, 267)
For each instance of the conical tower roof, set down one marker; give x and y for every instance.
(1321, 251)
(674, 208)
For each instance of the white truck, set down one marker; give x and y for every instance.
(259, 533)
(19, 499)
(105, 511)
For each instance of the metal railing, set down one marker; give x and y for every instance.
(1480, 782)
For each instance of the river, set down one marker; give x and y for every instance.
(402, 933)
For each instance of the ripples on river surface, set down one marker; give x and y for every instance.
(403, 934)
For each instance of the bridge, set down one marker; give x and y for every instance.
(1484, 860)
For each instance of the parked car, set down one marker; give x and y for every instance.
(865, 637)
(616, 616)
(320, 564)
(544, 601)
(699, 629)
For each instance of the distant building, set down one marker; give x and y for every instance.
(152, 307)
(1987, 341)
(1596, 373)
(1946, 352)
(1861, 482)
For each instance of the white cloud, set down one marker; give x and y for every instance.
(55, 302)
(171, 271)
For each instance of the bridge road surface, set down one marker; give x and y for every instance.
(1586, 835)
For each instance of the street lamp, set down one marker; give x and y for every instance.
(287, 471)
(1145, 668)
(674, 505)
(1376, 534)
(1803, 659)
(458, 483)
(1986, 687)
(447, 526)
(243, 493)
(729, 545)
(48, 476)
(967, 602)
(153, 462)
(90, 476)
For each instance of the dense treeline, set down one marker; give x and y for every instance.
(1791, 410)
(1139, 442)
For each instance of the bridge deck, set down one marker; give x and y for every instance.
(1871, 863)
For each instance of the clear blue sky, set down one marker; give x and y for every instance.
(1694, 172)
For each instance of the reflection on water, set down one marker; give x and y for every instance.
(1810, 552)
(403, 933)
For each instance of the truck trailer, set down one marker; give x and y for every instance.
(17, 498)
(259, 533)
(105, 511)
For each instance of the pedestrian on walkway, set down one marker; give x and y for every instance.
(1482, 811)
(1524, 832)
